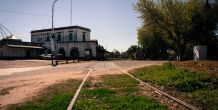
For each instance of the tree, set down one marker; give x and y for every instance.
(131, 51)
(114, 54)
(211, 26)
(152, 44)
(124, 55)
(172, 19)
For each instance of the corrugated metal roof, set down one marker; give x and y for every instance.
(25, 46)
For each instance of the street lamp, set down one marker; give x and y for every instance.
(52, 38)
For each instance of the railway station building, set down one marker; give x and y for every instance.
(71, 42)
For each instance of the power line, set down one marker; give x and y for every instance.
(24, 13)
(5, 28)
(33, 22)
(1, 32)
(4, 31)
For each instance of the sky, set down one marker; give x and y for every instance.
(113, 23)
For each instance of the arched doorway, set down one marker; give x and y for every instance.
(62, 52)
(88, 53)
(74, 53)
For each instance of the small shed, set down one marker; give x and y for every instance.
(200, 52)
(11, 47)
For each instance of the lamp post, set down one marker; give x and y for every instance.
(71, 12)
(52, 38)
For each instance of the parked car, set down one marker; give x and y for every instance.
(45, 56)
(48, 56)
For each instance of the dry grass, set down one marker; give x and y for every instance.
(210, 67)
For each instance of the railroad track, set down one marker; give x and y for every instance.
(102, 66)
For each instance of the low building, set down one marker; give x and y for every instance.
(11, 47)
(71, 42)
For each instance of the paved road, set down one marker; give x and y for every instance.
(27, 82)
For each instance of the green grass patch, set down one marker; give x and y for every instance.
(54, 97)
(201, 86)
(114, 93)
(207, 98)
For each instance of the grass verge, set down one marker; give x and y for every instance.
(54, 97)
(201, 88)
(114, 93)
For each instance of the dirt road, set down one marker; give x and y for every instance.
(21, 85)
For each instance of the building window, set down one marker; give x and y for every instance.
(33, 38)
(84, 36)
(59, 37)
(38, 40)
(74, 38)
(70, 36)
(48, 38)
(44, 38)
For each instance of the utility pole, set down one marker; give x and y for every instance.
(53, 36)
(207, 5)
(71, 12)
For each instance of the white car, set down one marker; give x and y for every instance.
(46, 56)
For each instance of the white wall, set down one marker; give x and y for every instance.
(41, 37)
(82, 46)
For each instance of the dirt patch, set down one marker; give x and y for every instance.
(28, 84)
(160, 98)
(23, 63)
(6, 90)
(210, 67)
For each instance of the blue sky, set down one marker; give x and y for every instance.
(113, 23)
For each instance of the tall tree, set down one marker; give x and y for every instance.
(172, 19)
(132, 50)
(152, 44)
